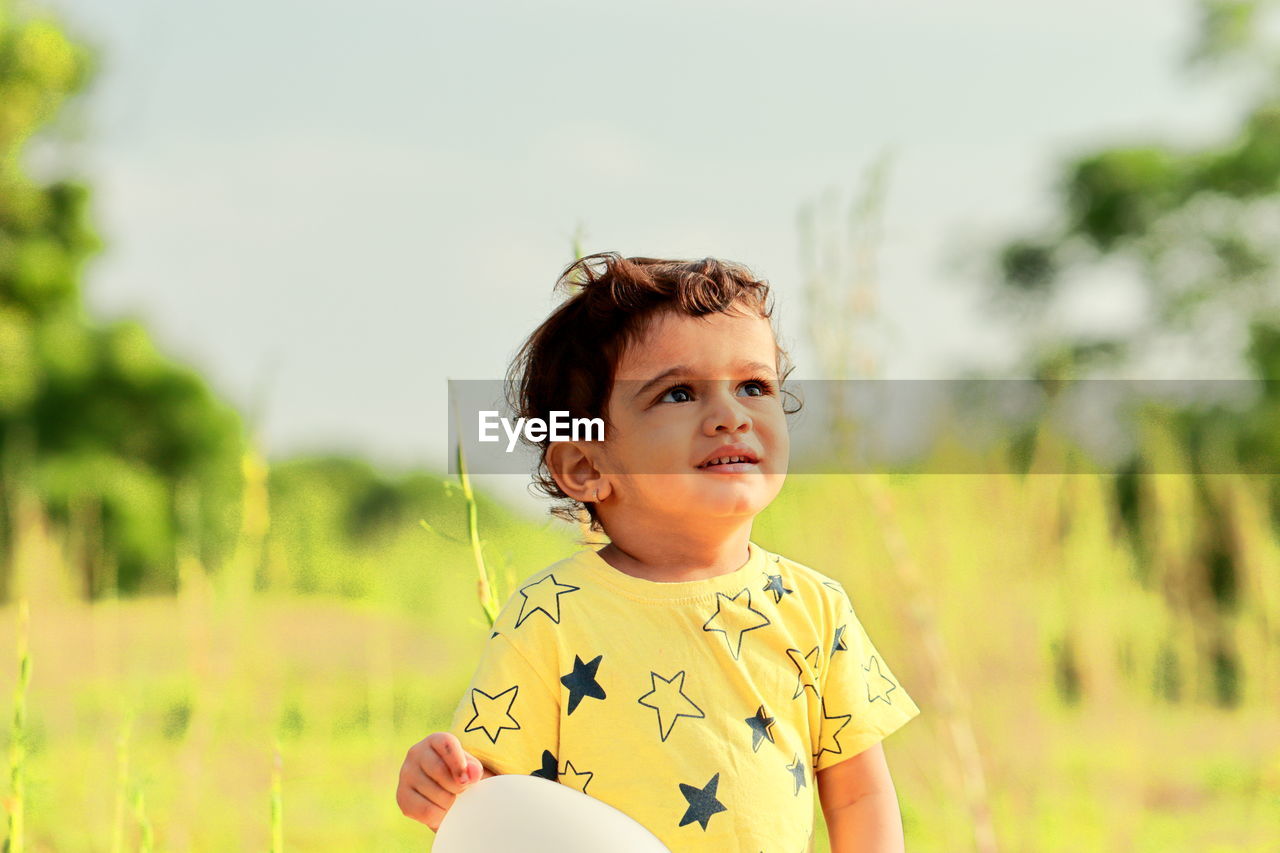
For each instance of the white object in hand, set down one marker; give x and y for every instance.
(535, 815)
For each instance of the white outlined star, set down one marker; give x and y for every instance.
(493, 712)
(884, 684)
(545, 596)
(829, 735)
(727, 615)
(802, 672)
(578, 780)
(670, 700)
(843, 594)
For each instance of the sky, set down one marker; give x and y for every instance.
(331, 209)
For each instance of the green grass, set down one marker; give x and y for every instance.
(275, 721)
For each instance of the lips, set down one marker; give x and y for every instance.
(729, 451)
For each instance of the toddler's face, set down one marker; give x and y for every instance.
(722, 394)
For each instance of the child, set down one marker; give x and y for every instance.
(682, 674)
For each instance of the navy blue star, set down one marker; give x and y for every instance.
(760, 728)
(702, 802)
(550, 768)
(839, 644)
(582, 681)
(775, 586)
(797, 774)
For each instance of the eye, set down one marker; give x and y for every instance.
(680, 389)
(764, 386)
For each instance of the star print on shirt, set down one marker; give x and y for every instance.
(798, 774)
(883, 684)
(582, 681)
(550, 769)
(669, 701)
(761, 725)
(545, 596)
(728, 615)
(829, 734)
(702, 802)
(843, 594)
(575, 779)
(775, 586)
(802, 672)
(839, 644)
(493, 712)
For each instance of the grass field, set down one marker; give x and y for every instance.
(153, 723)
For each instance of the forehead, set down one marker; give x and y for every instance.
(711, 343)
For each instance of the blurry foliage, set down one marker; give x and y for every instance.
(90, 415)
(340, 527)
(1201, 226)
(1200, 229)
(109, 434)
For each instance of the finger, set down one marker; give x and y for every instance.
(414, 805)
(475, 770)
(434, 792)
(450, 751)
(433, 767)
(413, 779)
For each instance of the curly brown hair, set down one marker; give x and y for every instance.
(568, 362)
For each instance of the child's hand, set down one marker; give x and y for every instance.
(435, 769)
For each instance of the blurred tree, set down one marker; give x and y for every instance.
(1197, 232)
(1199, 228)
(92, 418)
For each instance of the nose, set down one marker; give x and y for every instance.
(726, 414)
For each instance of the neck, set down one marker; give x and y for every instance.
(683, 556)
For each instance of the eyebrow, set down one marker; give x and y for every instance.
(682, 369)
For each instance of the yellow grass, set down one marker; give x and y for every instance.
(239, 720)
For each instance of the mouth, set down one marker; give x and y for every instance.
(731, 468)
(731, 463)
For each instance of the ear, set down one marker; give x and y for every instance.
(574, 470)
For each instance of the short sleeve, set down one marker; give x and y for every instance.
(509, 717)
(861, 700)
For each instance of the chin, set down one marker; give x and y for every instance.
(739, 502)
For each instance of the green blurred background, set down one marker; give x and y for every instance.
(215, 647)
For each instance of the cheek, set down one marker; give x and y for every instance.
(776, 425)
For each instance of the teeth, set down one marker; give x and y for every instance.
(726, 461)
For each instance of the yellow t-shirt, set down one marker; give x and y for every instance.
(702, 708)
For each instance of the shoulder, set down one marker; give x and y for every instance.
(536, 602)
(815, 587)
